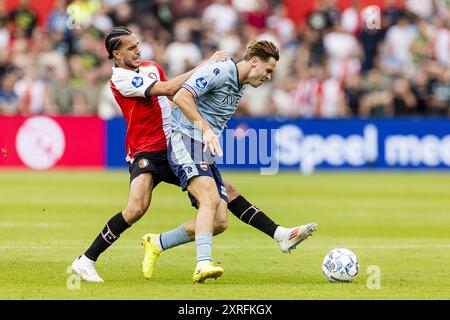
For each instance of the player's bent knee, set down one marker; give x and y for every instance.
(220, 226)
(134, 213)
(211, 201)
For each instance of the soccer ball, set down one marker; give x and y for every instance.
(340, 265)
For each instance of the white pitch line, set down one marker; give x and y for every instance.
(32, 225)
(306, 247)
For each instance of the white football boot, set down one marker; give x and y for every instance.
(85, 269)
(294, 236)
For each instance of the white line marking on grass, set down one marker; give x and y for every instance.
(400, 246)
(383, 247)
(25, 247)
(9, 224)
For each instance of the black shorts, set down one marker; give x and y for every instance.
(187, 160)
(156, 163)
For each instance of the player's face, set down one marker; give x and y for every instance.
(129, 54)
(261, 71)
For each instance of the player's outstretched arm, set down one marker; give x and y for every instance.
(186, 103)
(170, 87)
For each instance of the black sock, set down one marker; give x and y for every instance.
(251, 215)
(110, 233)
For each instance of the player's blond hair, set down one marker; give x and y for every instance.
(262, 49)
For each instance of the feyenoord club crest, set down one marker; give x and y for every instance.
(203, 166)
(143, 163)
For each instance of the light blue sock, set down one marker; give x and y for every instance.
(173, 238)
(203, 241)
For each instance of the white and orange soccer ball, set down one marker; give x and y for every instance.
(340, 265)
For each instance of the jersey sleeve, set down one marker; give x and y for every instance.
(132, 84)
(206, 79)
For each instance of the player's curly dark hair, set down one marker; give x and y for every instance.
(113, 39)
(262, 49)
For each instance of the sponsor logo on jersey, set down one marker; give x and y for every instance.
(143, 163)
(216, 71)
(137, 82)
(153, 76)
(201, 83)
(203, 166)
(229, 99)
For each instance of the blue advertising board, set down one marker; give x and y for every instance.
(306, 145)
(115, 143)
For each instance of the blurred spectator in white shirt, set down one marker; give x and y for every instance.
(281, 24)
(283, 97)
(350, 18)
(245, 6)
(421, 8)
(343, 52)
(305, 95)
(442, 43)
(397, 47)
(182, 54)
(5, 37)
(230, 43)
(220, 17)
(331, 102)
(33, 94)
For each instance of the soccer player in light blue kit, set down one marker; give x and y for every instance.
(205, 104)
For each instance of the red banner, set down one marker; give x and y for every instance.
(42, 142)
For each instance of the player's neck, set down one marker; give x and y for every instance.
(243, 69)
(124, 66)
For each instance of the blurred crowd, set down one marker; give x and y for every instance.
(339, 63)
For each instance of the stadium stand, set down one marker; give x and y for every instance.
(337, 60)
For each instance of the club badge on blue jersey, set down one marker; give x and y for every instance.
(137, 82)
(201, 83)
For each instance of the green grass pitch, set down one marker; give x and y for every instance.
(398, 222)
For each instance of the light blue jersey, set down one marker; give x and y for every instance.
(217, 92)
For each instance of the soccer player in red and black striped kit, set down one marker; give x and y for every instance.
(141, 90)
